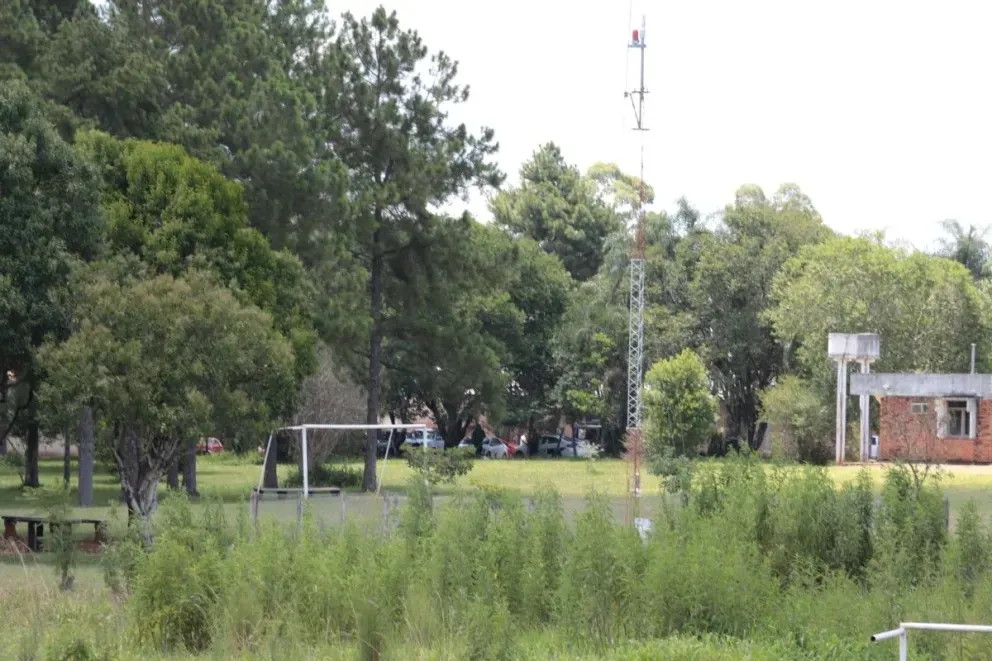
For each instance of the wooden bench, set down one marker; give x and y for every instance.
(36, 528)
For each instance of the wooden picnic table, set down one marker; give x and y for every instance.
(36, 528)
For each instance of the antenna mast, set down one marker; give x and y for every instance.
(635, 348)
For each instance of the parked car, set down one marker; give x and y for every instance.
(573, 447)
(516, 451)
(429, 437)
(382, 440)
(209, 446)
(549, 446)
(467, 442)
(494, 448)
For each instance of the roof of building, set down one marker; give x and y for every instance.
(922, 385)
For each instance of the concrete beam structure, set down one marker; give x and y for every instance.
(882, 384)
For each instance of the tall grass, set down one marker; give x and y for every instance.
(750, 564)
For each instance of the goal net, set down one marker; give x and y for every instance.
(285, 499)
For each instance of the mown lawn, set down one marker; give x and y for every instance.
(230, 480)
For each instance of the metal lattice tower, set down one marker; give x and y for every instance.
(635, 349)
(635, 345)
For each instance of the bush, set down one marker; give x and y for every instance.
(181, 580)
(58, 508)
(441, 466)
(327, 475)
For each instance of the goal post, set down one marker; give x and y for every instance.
(305, 452)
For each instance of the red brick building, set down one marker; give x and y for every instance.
(940, 417)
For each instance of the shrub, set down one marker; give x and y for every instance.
(13, 461)
(327, 475)
(58, 508)
(441, 466)
(180, 581)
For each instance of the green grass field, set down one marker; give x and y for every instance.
(230, 480)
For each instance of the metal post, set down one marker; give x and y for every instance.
(904, 645)
(972, 357)
(306, 467)
(385, 458)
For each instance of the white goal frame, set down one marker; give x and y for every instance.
(305, 452)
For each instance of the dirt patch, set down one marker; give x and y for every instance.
(13, 546)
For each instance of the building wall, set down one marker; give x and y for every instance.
(907, 435)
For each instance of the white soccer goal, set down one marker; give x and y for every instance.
(305, 452)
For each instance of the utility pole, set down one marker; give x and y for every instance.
(635, 348)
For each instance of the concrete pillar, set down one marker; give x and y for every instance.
(841, 411)
(865, 418)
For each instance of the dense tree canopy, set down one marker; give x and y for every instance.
(927, 310)
(48, 217)
(174, 212)
(309, 170)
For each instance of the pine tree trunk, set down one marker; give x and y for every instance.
(86, 457)
(189, 468)
(375, 383)
(33, 442)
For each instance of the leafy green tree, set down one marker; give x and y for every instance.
(160, 361)
(800, 419)
(450, 353)
(590, 354)
(48, 216)
(680, 412)
(927, 310)
(730, 289)
(404, 159)
(540, 289)
(560, 209)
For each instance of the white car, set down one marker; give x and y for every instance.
(493, 448)
(548, 446)
(571, 447)
(418, 438)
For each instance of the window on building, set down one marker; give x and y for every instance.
(958, 420)
(918, 407)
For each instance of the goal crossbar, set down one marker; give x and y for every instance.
(304, 449)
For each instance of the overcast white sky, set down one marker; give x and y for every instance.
(880, 110)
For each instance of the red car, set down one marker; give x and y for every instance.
(209, 446)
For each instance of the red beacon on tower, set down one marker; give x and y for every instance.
(635, 39)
